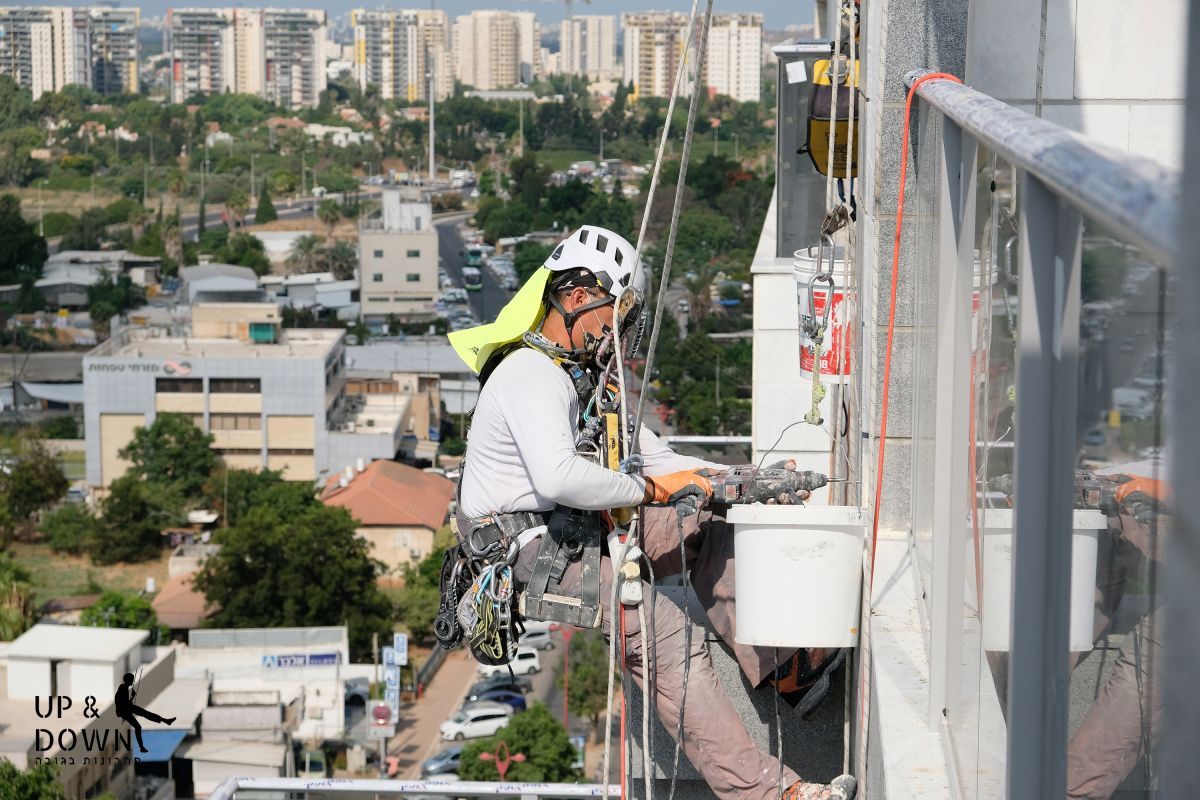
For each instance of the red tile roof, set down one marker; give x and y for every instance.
(179, 605)
(387, 493)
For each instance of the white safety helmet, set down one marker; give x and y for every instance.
(595, 257)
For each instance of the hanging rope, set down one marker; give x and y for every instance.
(665, 280)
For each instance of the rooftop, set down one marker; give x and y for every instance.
(81, 643)
(205, 271)
(179, 604)
(387, 493)
(164, 343)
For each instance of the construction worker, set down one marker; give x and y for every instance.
(534, 508)
(1122, 726)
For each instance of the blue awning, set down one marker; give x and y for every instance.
(161, 744)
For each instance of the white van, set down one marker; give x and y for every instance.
(527, 662)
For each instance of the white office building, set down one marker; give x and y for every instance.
(496, 49)
(734, 59)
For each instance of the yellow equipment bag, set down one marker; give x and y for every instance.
(821, 115)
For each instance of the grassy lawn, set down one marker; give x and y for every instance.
(60, 575)
(561, 159)
(74, 465)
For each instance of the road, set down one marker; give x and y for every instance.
(487, 302)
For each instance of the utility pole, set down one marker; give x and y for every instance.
(601, 143)
(41, 226)
(253, 188)
(303, 177)
(521, 124)
(145, 183)
(716, 128)
(736, 157)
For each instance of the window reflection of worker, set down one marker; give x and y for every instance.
(1122, 726)
(523, 462)
(129, 711)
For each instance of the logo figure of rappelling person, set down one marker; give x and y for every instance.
(129, 711)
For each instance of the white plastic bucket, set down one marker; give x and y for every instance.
(997, 577)
(835, 349)
(798, 574)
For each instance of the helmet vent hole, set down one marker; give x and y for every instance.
(619, 257)
(601, 243)
(583, 235)
(557, 252)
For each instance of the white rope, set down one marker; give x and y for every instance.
(834, 64)
(614, 630)
(647, 774)
(687, 656)
(665, 280)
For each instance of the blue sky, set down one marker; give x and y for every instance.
(778, 13)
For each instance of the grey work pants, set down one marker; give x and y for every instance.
(715, 740)
(1123, 723)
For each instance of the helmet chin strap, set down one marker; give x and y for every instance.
(590, 342)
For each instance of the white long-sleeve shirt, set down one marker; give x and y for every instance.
(521, 448)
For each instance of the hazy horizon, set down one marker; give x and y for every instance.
(778, 14)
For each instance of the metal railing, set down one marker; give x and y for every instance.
(343, 787)
(1063, 180)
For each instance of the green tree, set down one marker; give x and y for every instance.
(513, 219)
(125, 610)
(548, 751)
(138, 218)
(528, 179)
(265, 212)
(236, 206)
(329, 213)
(306, 254)
(39, 782)
(65, 427)
(120, 294)
(530, 256)
(245, 250)
(233, 492)
(17, 612)
(22, 250)
(294, 562)
(589, 665)
(341, 258)
(88, 232)
(132, 517)
(172, 452)
(70, 529)
(34, 482)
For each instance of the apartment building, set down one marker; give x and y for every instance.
(45, 48)
(497, 49)
(270, 397)
(398, 254)
(589, 46)
(734, 60)
(654, 43)
(277, 54)
(397, 50)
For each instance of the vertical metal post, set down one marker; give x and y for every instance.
(1180, 770)
(956, 228)
(1047, 376)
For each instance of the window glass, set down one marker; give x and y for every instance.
(377, 277)
(413, 277)
(235, 386)
(414, 254)
(379, 254)
(179, 385)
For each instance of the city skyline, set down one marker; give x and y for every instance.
(777, 14)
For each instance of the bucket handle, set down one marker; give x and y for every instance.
(817, 328)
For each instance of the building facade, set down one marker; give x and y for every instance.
(401, 52)
(734, 58)
(270, 397)
(398, 254)
(45, 48)
(589, 46)
(496, 49)
(654, 43)
(276, 54)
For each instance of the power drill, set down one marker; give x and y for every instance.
(750, 484)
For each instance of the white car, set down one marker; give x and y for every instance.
(527, 662)
(481, 719)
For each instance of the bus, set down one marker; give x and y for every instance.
(474, 256)
(472, 279)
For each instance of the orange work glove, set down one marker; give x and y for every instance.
(666, 489)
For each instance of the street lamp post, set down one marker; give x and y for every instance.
(253, 187)
(502, 758)
(41, 209)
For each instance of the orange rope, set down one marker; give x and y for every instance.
(887, 361)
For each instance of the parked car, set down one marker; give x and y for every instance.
(527, 662)
(538, 640)
(511, 697)
(1094, 438)
(444, 762)
(482, 719)
(501, 680)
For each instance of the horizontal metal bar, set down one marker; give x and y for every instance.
(1136, 197)
(682, 439)
(228, 788)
